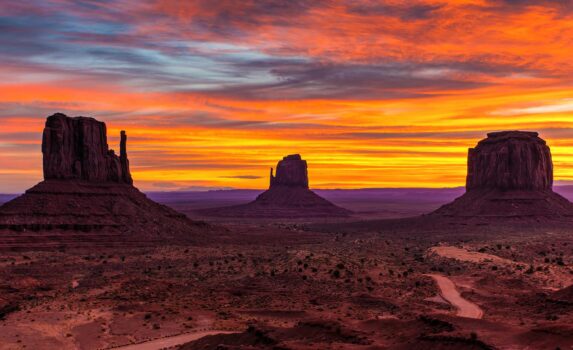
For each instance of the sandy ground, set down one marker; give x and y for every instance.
(450, 293)
(171, 341)
(298, 288)
(465, 255)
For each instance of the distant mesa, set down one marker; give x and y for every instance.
(510, 174)
(288, 196)
(87, 196)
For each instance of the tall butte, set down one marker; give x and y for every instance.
(510, 174)
(87, 196)
(77, 149)
(288, 196)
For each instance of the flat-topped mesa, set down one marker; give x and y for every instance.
(76, 148)
(510, 160)
(510, 177)
(292, 171)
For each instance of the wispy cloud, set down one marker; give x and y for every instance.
(565, 105)
(243, 177)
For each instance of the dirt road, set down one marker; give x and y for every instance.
(170, 341)
(449, 292)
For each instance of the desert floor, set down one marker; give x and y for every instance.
(402, 284)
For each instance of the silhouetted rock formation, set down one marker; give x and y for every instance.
(510, 174)
(288, 196)
(76, 148)
(87, 196)
(510, 160)
(291, 171)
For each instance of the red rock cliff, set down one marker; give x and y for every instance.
(76, 148)
(291, 171)
(510, 160)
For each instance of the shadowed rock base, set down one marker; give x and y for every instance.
(79, 213)
(87, 198)
(282, 202)
(506, 204)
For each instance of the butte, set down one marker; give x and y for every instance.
(288, 196)
(510, 175)
(87, 197)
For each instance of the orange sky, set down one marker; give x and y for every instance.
(212, 94)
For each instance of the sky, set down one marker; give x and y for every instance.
(213, 93)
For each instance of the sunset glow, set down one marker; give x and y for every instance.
(213, 93)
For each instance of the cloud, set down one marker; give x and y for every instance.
(562, 7)
(454, 135)
(166, 184)
(303, 79)
(229, 17)
(159, 49)
(405, 11)
(563, 106)
(206, 188)
(299, 79)
(243, 177)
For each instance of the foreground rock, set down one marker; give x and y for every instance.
(87, 196)
(510, 174)
(288, 196)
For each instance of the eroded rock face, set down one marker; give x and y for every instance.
(510, 177)
(76, 148)
(510, 160)
(292, 171)
(87, 198)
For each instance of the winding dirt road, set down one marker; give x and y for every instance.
(170, 341)
(449, 292)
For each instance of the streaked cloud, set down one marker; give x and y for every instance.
(562, 106)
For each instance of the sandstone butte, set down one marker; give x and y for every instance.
(76, 148)
(288, 196)
(87, 196)
(510, 174)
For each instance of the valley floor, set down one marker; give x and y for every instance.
(265, 285)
